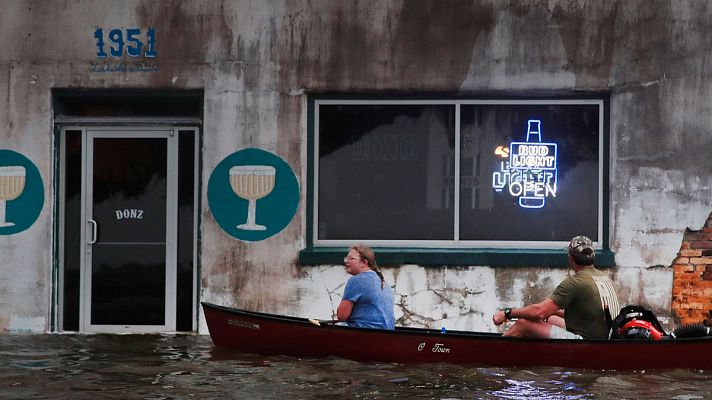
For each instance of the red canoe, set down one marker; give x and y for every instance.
(260, 333)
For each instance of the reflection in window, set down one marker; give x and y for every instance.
(386, 172)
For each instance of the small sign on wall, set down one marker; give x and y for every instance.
(21, 192)
(253, 194)
(114, 44)
(128, 41)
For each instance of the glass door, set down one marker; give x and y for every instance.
(128, 277)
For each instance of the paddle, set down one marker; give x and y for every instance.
(327, 322)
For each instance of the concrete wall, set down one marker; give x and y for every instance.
(256, 60)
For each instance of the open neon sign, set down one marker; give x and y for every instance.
(529, 173)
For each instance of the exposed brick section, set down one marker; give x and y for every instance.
(692, 276)
(700, 260)
(701, 244)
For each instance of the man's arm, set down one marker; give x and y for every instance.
(534, 312)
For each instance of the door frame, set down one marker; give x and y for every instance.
(81, 125)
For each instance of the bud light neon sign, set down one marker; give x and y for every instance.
(529, 173)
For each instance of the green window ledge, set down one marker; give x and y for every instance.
(488, 257)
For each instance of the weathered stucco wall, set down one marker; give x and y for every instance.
(256, 60)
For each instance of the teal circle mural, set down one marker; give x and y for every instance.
(21, 192)
(253, 194)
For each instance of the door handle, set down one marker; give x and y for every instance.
(94, 231)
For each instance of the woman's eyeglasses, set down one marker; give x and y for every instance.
(349, 258)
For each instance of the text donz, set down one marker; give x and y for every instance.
(129, 214)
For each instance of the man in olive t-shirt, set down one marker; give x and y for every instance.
(576, 308)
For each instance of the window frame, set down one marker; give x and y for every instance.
(455, 251)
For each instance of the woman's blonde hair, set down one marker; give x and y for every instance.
(367, 255)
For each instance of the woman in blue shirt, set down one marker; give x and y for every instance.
(368, 300)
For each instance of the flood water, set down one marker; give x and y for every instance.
(190, 367)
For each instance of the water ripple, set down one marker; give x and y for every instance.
(190, 367)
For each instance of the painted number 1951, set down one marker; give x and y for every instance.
(128, 39)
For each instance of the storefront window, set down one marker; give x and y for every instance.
(458, 173)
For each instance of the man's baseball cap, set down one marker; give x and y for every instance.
(582, 246)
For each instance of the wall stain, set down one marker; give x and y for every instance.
(185, 32)
(588, 35)
(369, 47)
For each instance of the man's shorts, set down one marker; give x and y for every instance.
(559, 333)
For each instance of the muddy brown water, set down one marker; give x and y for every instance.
(190, 367)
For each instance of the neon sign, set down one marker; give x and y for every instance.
(529, 173)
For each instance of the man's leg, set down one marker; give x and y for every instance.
(557, 321)
(529, 329)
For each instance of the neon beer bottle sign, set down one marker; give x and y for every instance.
(529, 173)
